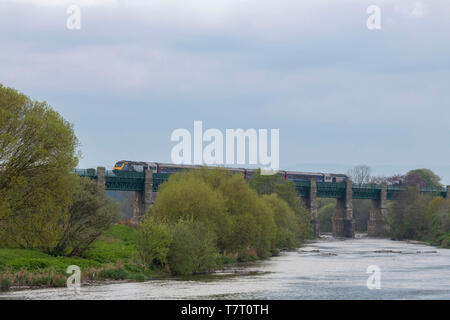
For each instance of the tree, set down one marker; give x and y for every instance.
(37, 155)
(153, 242)
(91, 213)
(265, 184)
(288, 233)
(188, 195)
(360, 174)
(223, 203)
(285, 190)
(438, 213)
(423, 178)
(193, 249)
(326, 213)
(407, 216)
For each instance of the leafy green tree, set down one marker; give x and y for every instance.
(253, 223)
(192, 249)
(285, 190)
(224, 203)
(408, 215)
(326, 213)
(288, 233)
(153, 242)
(438, 213)
(91, 213)
(265, 184)
(37, 154)
(422, 177)
(188, 195)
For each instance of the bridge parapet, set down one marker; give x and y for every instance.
(131, 181)
(366, 191)
(331, 190)
(90, 173)
(158, 179)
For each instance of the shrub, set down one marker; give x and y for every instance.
(139, 277)
(326, 214)
(90, 214)
(192, 249)
(116, 274)
(225, 204)
(287, 233)
(408, 215)
(5, 284)
(153, 242)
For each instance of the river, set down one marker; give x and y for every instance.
(324, 269)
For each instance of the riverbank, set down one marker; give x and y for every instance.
(329, 268)
(112, 259)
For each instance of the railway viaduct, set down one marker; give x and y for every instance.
(145, 185)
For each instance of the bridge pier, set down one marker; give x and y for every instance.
(377, 226)
(143, 199)
(137, 206)
(311, 204)
(101, 177)
(343, 222)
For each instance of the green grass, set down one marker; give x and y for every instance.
(118, 243)
(112, 255)
(34, 260)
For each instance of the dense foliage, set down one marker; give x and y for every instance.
(421, 217)
(42, 204)
(90, 214)
(220, 213)
(37, 154)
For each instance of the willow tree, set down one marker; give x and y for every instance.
(37, 154)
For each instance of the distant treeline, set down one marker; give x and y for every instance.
(412, 216)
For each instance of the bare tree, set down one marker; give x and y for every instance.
(360, 174)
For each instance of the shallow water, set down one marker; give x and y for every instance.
(336, 271)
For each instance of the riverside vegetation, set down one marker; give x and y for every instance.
(202, 219)
(412, 216)
(50, 218)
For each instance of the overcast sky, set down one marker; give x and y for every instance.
(340, 94)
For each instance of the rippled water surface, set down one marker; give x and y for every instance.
(326, 269)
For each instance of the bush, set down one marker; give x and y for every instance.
(5, 284)
(153, 242)
(90, 214)
(116, 274)
(326, 214)
(188, 195)
(240, 219)
(287, 225)
(408, 215)
(192, 249)
(223, 203)
(139, 277)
